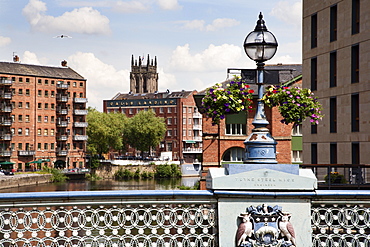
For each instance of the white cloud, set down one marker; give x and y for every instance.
(211, 59)
(30, 58)
(168, 4)
(222, 23)
(103, 80)
(4, 41)
(294, 9)
(83, 20)
(216, 24)
(166, 80)
(129, 7)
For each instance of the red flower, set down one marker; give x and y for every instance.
(251, 91)
(247, 86)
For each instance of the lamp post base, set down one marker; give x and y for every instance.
(260, 147)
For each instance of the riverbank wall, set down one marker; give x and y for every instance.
(23, 179)
(107, 170)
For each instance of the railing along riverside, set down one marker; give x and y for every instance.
(340, 218)
(108, 218)
(166, 218)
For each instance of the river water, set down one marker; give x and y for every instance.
(107, 184)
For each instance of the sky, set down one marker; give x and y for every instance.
(195, 41)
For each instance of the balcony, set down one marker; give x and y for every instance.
(5, 136)
(197, 115)
(62, 137)
(80, 124)
(197, 127)
(6, 95)
(5, 81)
(5, 153)
(192, 150)
(80, 100)
(5, 122)
(80, 112)
(62, 124)
(62, 111)
(62, 86)
(80, 138)
(6, 108)
(26, 152)
(61, 152)
(62, 98)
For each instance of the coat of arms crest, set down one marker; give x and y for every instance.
(265, 226)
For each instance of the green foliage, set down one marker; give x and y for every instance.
(235, 97)
(167, 171)
(104, 131)
(335, 178)
(57, 175)
(195, 187)
(94, 163)
(123, 174)
(144, 130)
(137, 173)
(92, 177)
(295, 104)
(146, 175)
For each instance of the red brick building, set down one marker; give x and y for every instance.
(224, 143)
(42, 116)
(184, 134)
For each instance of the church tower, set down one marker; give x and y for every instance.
(143, 78)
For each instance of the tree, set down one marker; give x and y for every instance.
(104, 131)
(144, 131)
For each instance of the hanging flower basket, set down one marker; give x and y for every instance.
(294, 104)
(219, 101)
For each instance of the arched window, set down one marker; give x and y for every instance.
(233, 155)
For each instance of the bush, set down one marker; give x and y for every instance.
(335, 178)
(137, 173)
(195, 187)
(57, 175)
(92, 177)
(146, 175)
(167, 171)
(123, 173)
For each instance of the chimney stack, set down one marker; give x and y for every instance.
(64, 63)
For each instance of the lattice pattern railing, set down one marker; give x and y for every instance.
(341, 225)
(135, 225)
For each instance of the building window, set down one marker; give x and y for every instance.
(52, 147)
(297, 156)
(46, 93)
(20, 146)
(19, 131)
(313, 129)
(38, 132)
(189, 121)
(333, 115)
(52, 119)
(52, 106)
(46, 106)
(52, 93)
(45, 146)
(183, 132)
(355, 64)
(27, 118)
(333, 69)
(27, 105)
(27, 132)
(39, 105)
(236, 124)
(333, 153)
(169, 121)
(74, 84)
(46, 132)
(81, 84)
(355, 16)
(27, 92)
(233, 154)
(38, 146)
(297, 130)
(52, 132)
(39, 81)
(20, 104)
(13, 131)
(169, 146)
(20, 91)
(355, 113)
(314, 30)
(131, 111)
(313, 153)
(355, 153)
(39, 93)
(161, 110)
(169, 110)
(20, 118)
(39, 119)
(20, 79)
(190, 110)
(333, 23)
(169, 132)
(28, 80)
(46, 118)
(314, 74)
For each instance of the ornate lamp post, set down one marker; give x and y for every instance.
(260, 45)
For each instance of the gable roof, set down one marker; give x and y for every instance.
(39, 71)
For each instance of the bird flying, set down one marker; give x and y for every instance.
(62, 36)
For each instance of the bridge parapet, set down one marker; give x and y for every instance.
(170, 218)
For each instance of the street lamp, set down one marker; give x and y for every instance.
(260, 45)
